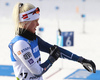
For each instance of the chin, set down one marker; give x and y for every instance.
(33, 32)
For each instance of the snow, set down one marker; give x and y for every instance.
(85, 44)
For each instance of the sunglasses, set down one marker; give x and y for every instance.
(36, 11)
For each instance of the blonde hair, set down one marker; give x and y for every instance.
(20, 8)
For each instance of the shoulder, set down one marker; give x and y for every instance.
(20, 44)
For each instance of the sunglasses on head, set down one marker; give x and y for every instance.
(36, 11)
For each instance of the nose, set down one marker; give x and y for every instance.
(37, 23)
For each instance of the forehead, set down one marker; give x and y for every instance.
(35, 20)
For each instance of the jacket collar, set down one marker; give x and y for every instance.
(27, 34)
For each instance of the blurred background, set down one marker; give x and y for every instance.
(78, 21)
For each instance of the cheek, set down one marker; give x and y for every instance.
(32, 25)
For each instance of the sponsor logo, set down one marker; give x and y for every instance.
(18, 52)
(23, 50)
(25, 16)
(35, 49)
(27, 55)
(31, 61)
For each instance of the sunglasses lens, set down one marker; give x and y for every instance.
(36, 11)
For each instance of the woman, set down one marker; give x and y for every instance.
(26, 45)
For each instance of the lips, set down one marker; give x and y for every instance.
(34, 28)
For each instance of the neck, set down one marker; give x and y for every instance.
(27, 34)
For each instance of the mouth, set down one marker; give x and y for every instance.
(34, 28)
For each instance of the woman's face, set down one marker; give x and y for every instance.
(32, 26)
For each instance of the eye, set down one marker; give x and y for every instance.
(37, 20)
